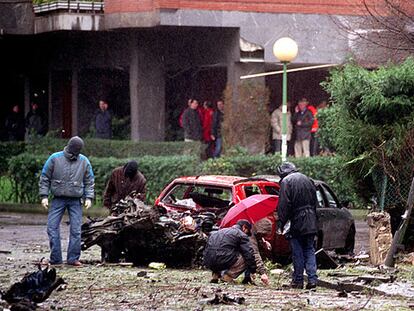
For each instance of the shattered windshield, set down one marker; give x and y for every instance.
(199, 196)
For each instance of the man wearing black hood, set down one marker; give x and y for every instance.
(123, 181)
(68, 176)
(297, 204)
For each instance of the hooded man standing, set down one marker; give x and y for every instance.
(123, 181)
(297, 204)
(68, 176)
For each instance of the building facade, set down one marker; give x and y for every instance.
(147, 57)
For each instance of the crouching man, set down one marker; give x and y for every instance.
(229, 252)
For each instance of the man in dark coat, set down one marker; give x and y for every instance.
(103, 121)
(15, 124)
(123, 181)
(218, 118)
(302, 121)
(35, 122)
(193, 130)
(297, 204)
(229, 253)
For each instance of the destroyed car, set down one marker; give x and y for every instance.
(219, 193)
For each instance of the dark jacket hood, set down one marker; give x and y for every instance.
(285, 169)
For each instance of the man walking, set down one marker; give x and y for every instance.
(68, 176)
(228, 252)
(297, 204)
(123, 181)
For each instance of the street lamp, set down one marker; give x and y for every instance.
(285, 50)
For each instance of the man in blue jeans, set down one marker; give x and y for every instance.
(297, 204)
(68, 176)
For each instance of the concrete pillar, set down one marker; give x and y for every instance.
(147, 90)
(75, 101)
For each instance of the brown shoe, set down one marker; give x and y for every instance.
(76, 263)
(226, 278)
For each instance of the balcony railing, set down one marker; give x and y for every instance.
(44, 7)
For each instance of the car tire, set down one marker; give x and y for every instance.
(349, 243)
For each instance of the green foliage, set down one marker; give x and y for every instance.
(116, 148)
(371, 121)
(7, 150)
(25, 168)
(242, 165)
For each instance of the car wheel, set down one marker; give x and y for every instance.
(349, 243)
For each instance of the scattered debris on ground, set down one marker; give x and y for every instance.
(223, 298)
(34, 288)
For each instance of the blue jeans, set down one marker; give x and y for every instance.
(303, 256)
(56, 211)
(217, 148)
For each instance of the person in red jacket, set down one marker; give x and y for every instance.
(314, 145)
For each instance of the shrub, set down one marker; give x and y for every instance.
(117, 148)
(24, 171)
(8, 150)
(246, 121)
(371, 125)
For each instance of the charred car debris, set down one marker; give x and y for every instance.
(34, 287)
(140, 234)
(175, 230)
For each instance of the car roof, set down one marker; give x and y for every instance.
(221, 180)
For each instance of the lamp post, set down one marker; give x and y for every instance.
(285, 50)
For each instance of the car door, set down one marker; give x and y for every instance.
(333, 218)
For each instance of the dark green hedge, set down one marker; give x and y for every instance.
(24, 171)
(121, 149)
(8, 150)
(98, 148)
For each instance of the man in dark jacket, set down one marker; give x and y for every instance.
(15, 124)
(229, 253)
(103, 121)
(124, 180)
(218, 117)
(68, 176)
(192, 123)
(297, 204)
(302, 121)
(35, 122)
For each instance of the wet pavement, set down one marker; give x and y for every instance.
(117, 287)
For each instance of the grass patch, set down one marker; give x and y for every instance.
(359, 214)
(94, 211)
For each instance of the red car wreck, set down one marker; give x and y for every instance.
(218, 194)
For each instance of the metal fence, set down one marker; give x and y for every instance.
(69, 6)
(393, 186)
